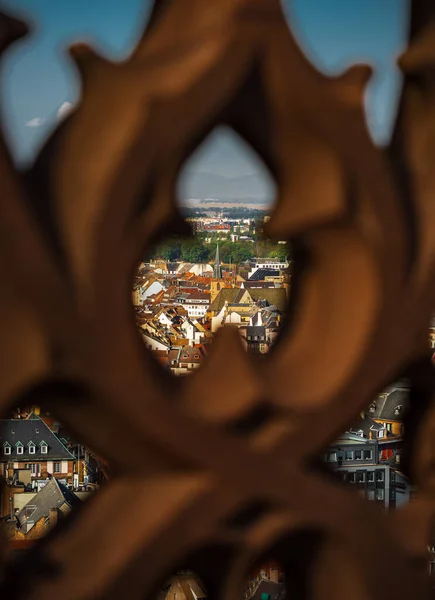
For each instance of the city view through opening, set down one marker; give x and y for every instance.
(227, 273)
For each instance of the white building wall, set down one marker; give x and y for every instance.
(196, 310)
(154, 288)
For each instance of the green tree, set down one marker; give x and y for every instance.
(168, 251)
(281, 253)
(241, 252)
(194, 252)
(224, 251)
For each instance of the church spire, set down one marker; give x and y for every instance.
(217, 271)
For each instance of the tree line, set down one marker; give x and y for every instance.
(197, 251)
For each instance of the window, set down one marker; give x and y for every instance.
(368, 455)
(7, 449)
(381, 433)
(379, 494)
(29, 510)
(358, 454)
(392, 476)
(44, 448)
(389, 427)
(331, 457)
(20, 450)
(32, 449)
(351, 477)
(379, 475)
(33, 468)
(371, 476)
(348, 455)
(360, 476)
(57, 467)
(370, 494)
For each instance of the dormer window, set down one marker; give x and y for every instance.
(44, 447)
(398, 410)
(32, 448)
(36, 430)
(20, 448)
(6, 448)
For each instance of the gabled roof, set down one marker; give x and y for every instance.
(365, 424)
(276, 297)
(36, 431)
(390, 406)
(230, 295)
(52, 495)
(191, 355)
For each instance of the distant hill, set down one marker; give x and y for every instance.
(253, 188)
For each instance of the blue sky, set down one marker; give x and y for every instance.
(37, 77)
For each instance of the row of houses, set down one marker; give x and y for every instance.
(44, 474)
(179, 307)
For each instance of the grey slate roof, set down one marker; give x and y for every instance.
(260, 274)
(52, 495)
(256, 330)
(230, 295)
(365, 424)
(390, 406)
(27, 431)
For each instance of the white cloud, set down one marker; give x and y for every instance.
(36, 122)
(64, 110)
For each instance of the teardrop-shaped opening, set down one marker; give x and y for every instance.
(227, 273)
(369, 456)
(47, 471)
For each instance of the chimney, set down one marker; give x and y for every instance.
(53, 516)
